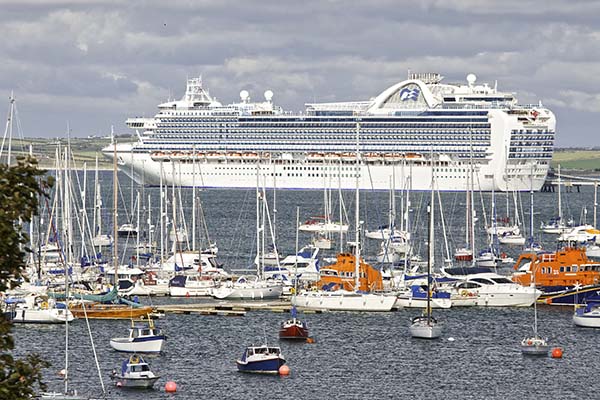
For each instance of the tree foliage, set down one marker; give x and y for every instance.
(21, 186)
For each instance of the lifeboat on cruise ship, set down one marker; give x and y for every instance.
(566, 276)
(265, 155)
(332, 157)
(413, 156)
(392, 157)
(234, 155)
(372, 157)
(159, 155)
(349, 157)
(213, 155)
(251, 156)
(315, 156)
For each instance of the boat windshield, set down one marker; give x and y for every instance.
(502, 280)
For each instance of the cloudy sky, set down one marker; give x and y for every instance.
(94, 63)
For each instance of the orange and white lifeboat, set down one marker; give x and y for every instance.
(234, 155)
(332, 157)
(392, 157)
(372, 157)
(315, 156)
(349, 157)
(214, 155)
(250, 156)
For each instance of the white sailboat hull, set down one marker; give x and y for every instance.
(248, 293)
(48, 316)
(344, 301)
(422, 330)
(126, 345)
(411, 302)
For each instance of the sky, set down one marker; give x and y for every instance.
(91, 64)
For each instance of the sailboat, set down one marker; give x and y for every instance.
(426, 326)
(294, 328)
(557, 224)
(534, 345)
(254, 287)
(69, 394)
(343, 289)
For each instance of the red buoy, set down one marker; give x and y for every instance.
(557, 352)
(284, 370)
(170, 387)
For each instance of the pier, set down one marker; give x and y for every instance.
(568, 182)
(227, 309)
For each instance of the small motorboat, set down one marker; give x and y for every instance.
(261, 359)
(293, 328)
(535, 346)
(135, 373)
(588, 316)
(127, 230)
(144, 337)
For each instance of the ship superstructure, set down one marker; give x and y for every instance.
(410, 130)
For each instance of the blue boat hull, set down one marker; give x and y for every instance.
(561, 295)
(270, 366)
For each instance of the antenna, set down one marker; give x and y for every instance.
(471, 78)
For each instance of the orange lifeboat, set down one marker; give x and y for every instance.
(341, 274)
(566, 276)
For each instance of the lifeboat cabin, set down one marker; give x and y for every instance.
(341, 275)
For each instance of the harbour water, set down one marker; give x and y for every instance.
(355, 355)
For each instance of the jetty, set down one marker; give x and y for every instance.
(227, 309)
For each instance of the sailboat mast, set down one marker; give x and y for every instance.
(595, 202)
(430, 247)
(115, 213)
(66, 240)
(357, 213)
(258, 266)
(560, 216)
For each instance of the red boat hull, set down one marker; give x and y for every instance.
(293, 332)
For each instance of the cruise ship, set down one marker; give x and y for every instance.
(467, 135)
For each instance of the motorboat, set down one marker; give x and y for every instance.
(261, 359)
(135, 373)
(127, 230)
(191, 285)
(415, 296)
(475, 286)
(143, 337)
(37, 309)
(587, 316)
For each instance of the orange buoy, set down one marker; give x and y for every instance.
(557, 352)
(170, 387)
(284, 370)
(310, 340)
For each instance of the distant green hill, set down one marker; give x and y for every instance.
(577, 159)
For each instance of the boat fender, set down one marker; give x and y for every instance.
(529, 342)
(44, 305)
(134, 360)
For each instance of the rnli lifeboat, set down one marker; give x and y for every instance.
(566, 276)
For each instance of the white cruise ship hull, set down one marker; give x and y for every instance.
(299, 173)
